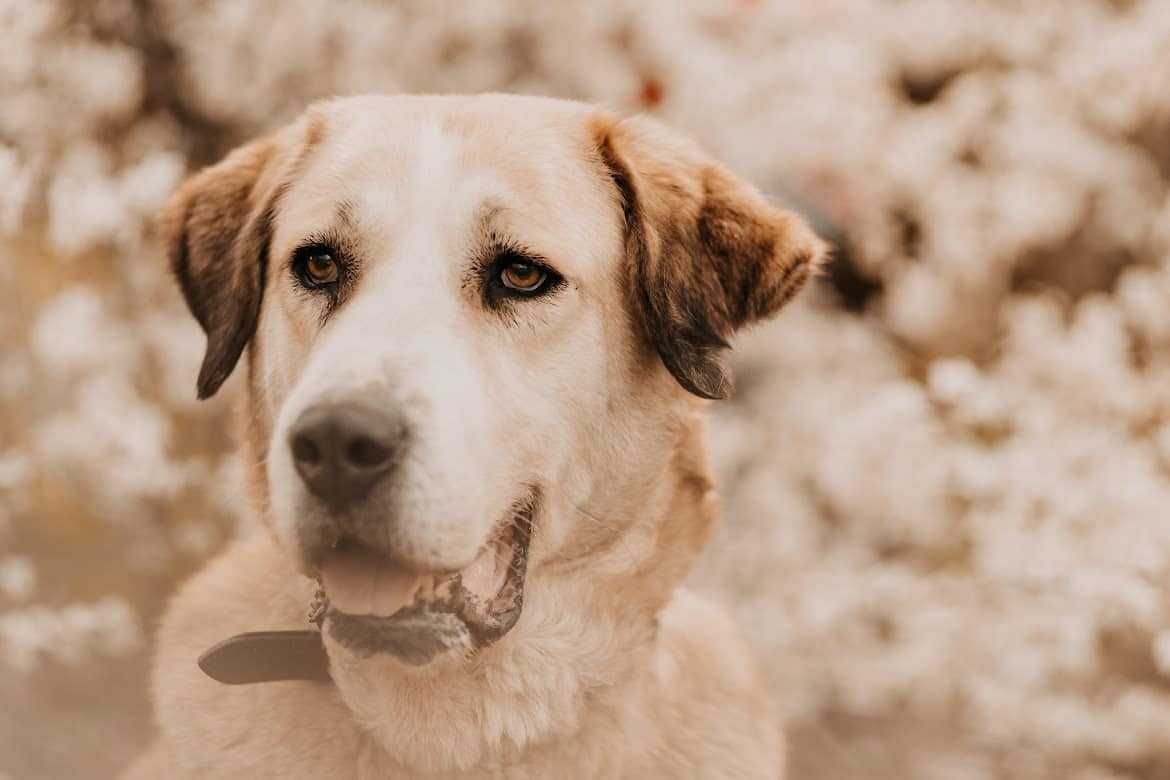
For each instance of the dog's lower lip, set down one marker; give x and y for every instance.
(444, 613)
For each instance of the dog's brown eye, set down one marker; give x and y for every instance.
(523, 277)
(321, 268)
(316, 266)
(513, 276)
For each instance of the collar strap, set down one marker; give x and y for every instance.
(267, 656)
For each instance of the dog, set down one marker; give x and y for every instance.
(481, 332)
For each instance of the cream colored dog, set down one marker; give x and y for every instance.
(476, 330)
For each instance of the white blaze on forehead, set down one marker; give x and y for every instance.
(435, 195)
(432, 176)
(412, 209)
(419, 187)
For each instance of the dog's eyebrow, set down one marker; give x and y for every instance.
(492, 231)
(486, 216)
(344, 212)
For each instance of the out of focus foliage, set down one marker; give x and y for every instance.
(947, 515)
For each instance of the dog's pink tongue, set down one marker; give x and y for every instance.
(360, 583)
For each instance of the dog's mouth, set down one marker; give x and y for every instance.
(375, 606)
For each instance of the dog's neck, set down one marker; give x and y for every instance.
(530, 690)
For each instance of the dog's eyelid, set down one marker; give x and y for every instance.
(316, 243)
(505, 253)
(511, 257)
(499, 244)
(501, 248)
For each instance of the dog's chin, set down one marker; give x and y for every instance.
(377, 607)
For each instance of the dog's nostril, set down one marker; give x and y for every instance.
(366, 453)
(305, 451)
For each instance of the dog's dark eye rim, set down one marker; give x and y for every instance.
(501, 285)
(317, 266)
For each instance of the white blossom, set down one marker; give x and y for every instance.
(947, 520)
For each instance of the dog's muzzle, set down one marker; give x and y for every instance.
(347, 452)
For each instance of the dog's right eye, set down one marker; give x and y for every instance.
(316, 267)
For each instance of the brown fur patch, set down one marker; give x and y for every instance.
(217, 228)
(708, 254)
(257, 428)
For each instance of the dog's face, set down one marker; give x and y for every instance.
(473, 323)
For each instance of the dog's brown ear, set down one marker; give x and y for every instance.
(217, 229)
(707, 253)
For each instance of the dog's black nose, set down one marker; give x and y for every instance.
(341, 450)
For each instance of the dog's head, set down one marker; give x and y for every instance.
(474, 326)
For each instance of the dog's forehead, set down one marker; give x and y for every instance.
(391, 165)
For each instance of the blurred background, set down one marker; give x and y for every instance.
(945, 474)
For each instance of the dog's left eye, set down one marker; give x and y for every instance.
(514, 275)
(522, 277)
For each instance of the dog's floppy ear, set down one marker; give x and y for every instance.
(217, 229)
(707, 253)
